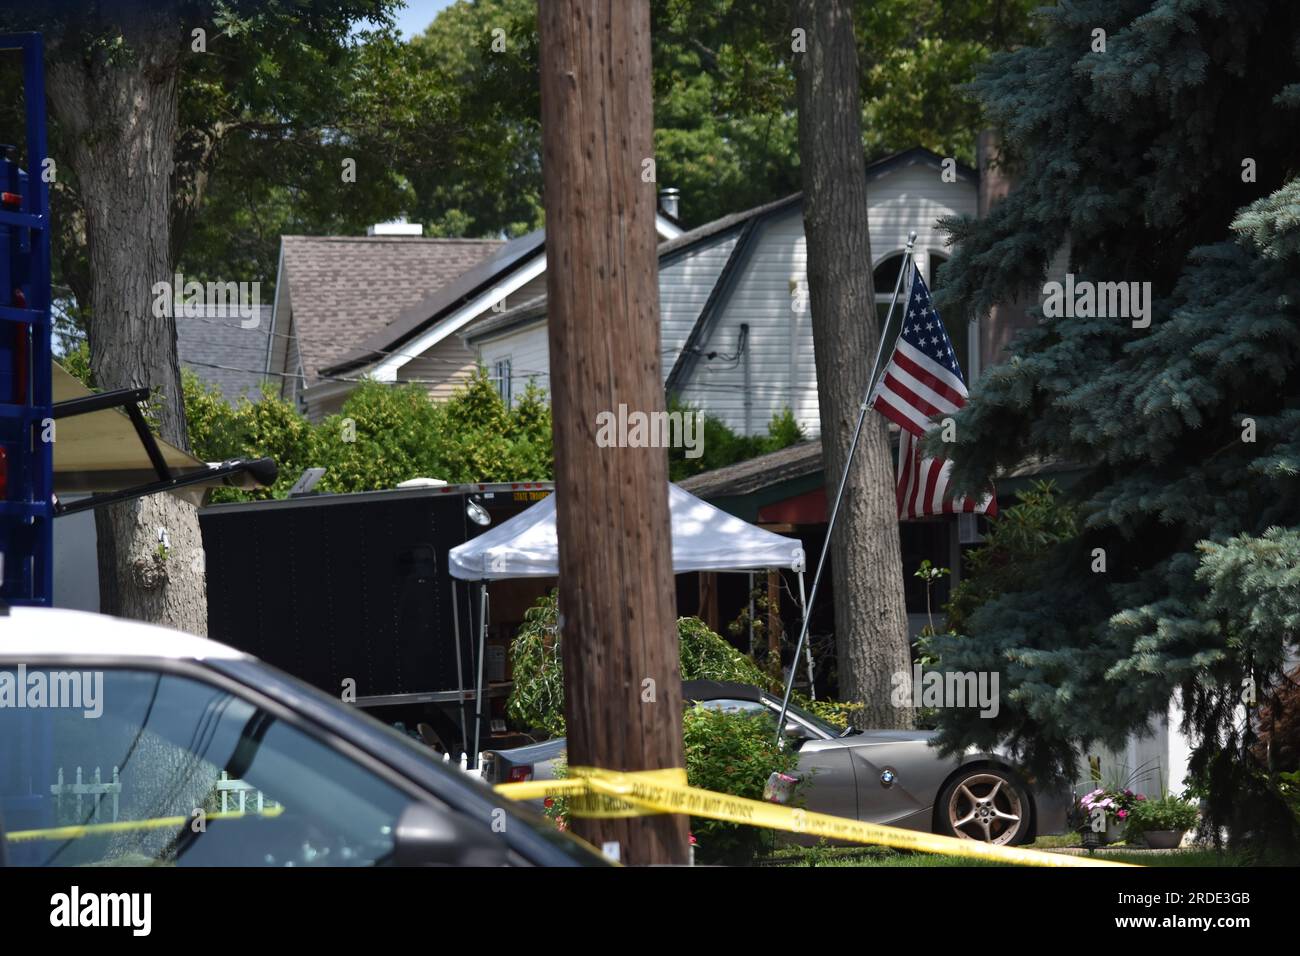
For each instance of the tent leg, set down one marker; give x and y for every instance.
(460, 672)
(482, 649)
(807, 648)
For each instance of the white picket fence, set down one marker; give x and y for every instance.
(234, 794)
(227, 786)
(464, 764)
(96, 789)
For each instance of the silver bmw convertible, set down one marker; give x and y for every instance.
(890, 777)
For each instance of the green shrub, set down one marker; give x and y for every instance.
(1167, 813)
(1020, 536)
(537, 698)
(731, 753)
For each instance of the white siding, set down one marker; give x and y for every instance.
(440, 369)
(529, 290)
(684, 286)
(529, 357)
(780, 352)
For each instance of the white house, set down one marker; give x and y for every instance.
(420, 343)
(735, 325)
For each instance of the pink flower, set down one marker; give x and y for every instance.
(1142, 796)
(1122, 814)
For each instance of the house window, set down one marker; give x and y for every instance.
(956, 319)
(502, 375)
(884, 278)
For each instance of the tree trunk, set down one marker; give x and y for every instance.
(118, 111)
(871, 640)
(617, 605)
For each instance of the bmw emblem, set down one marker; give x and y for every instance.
(887, 777)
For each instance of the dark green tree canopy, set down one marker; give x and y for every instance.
(1135, 160)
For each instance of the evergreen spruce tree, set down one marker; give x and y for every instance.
(1164, 153)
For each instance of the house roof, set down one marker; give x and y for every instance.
(917, 155)
(745, 221)
(427, 309)
(535, 308)
(804, 460)
(794, 461)
(343, 288)
(727, 223)
(224, 353)
(527, 312)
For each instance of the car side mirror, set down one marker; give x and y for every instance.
(426, 836)
(794, 731)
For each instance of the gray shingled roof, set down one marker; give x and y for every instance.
(422, 313)
(528, 311)
(793, 461)
(224, 354)
(344, 289)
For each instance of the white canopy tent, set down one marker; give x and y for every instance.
(705, 538)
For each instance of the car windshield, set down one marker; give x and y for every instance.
(798, 712)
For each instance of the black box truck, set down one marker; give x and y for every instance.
(351, 593)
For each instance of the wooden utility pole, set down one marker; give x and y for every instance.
(871, 640)
(617, 603)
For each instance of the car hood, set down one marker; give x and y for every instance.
(887, 737)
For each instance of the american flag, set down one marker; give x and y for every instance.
(921, 382)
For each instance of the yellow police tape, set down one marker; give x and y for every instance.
(605, 793)
(77, 831)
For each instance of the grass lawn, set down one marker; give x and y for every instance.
(886, 857)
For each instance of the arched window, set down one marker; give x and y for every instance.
(956, 318)
(884, 277)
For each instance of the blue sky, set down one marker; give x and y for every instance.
(418, 14)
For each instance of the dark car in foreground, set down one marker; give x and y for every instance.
(890, 777)
(127, 744)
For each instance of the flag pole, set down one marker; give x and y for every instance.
(844, 479)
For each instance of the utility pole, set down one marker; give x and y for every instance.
(617, 601)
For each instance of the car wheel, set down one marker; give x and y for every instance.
(985, 804)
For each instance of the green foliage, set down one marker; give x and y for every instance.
(1039, 521)
(1121, 157)
(383, 435)
(725, 124)
(1165, 813)
(721, 446)
(537, 698)
(76, 361)
(837, 713)
(706, 655)
(731, 753)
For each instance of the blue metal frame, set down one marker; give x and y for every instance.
(26, 400)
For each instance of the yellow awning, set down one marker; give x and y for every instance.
(100, 451)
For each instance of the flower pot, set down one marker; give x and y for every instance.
(1163, 839)
(1114, 832)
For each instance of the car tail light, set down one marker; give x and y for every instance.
(520, 774)
(11, 200)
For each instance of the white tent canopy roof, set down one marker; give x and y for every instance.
(704, 539)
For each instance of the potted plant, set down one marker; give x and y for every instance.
(1161, 823)
(1106, 811)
